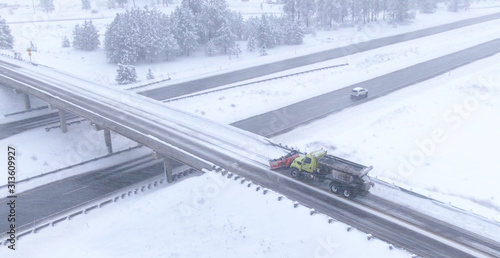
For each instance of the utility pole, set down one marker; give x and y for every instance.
(33, 2)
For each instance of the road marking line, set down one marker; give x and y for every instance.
(76, 190)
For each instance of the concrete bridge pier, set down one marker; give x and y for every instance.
(167, 169)
(27, 102)
(62, 117)
(167, 165)
(107, 137)
(107, 140)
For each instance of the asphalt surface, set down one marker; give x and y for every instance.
(168, 90)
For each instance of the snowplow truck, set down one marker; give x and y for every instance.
(345, 177)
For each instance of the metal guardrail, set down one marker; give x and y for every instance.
(18, 58)
(255, 82)
(26, 111)
(147, 84)
(68, 123)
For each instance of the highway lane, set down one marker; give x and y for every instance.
(360, 217)
(286, 118)
(168, 90)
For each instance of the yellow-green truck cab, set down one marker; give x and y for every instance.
(308, 162)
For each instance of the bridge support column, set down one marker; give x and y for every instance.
(107, 139)
(167, 167)
(62, 117)
(27, 103)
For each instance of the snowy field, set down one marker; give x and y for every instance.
(439, 137)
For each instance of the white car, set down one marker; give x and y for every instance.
(359, 93)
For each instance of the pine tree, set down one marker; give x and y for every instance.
(291, 9)
(150, 75)
(126, 74)
(250, 27)
(456, 5)
(119, 41)
(155, 39)
(427, 6)
(376, 9)
(111, 4)
(251, 44)
(185, 29)
(194, 5)
(65, 42)
(263, 50)
(85, 37)
(292, 33)
(399, 10)
(265, 33)
(306, 11)
(211, 49)
(77, 37)
(86, 4)
(223, 41)
(236, 50)
(213, 16)
(344, 10)
(140, 35)
(6, 38)
(122, 2)
(466, 4)
(47, 5)
(235, 20)
(168, 43)
(325, 13)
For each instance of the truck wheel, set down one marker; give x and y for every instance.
(347, 193)
(334, 188)
(295, 173)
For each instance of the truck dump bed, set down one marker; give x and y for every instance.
(345, 166)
